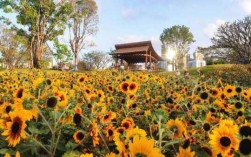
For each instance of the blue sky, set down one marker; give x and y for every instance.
(122, 21)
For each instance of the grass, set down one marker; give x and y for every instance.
(207, 69)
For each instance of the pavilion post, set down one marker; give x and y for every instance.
(146, 61)
(116, 62)
(150, 59)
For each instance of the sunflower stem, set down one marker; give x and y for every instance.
(56, 144)
(160, 132)
(101, 135)
(41, 145)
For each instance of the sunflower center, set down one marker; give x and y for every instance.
(52, 102)
(140, 155)
(204, 95)
(126, 125)
(8, 109)
(110, 132)
(77, 118)
(225, 141)
(80, 136)
(81, 79)
(132, 86)
(229, 90)
(106, 116)
(245, 146)
(20, 93)
(15, 127)
(124, 87)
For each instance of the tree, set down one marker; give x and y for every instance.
(82, 24)
(235, 37)
(13, 48)
(215, 55)
(43, 20)
(62, 54)
(97, 60)
(177, 38)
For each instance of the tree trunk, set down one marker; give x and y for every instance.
(75, 61)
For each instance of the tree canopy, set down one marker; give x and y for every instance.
(236, 38)
(177, 38)
(42, 21)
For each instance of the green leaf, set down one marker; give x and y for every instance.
(4, 150)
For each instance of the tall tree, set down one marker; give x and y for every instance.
(82, 25)
(43, 20)
(236, 37)
(12, 48)
(177, 38)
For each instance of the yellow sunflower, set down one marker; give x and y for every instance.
(133, 87)
(78, 136)
(95, 133)
(214, 92)
(27, 109)
(143, 146)
(128, 123)
(177, 127)
(185, 152)
(135, 132)
(86, 155)
(108, 117)
(229, 91)
(111, 155)
(223, 141)
(15, 128)
(109, 132)
(124, 86)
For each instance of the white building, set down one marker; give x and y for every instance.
(197, 61)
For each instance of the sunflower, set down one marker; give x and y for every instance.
(108, 117)
(109, 132)
(214, 92)
(185, 152)
(111, 155)
(95, 133)
(110, 89)
(223, 141)
(128, 123)
(143, 146)
(26, 109)
(133, 87)
(78, 136)
(15, 128)
(82, 79)
(20, 94)
(177, 127)
(123, 87)
(135, 131)
(229, 91)
(86, 155)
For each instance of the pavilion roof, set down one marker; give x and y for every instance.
(135, 52)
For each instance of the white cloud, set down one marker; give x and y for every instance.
(212, 27)
(246, 5)
(127, 13)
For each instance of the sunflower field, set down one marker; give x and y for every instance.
(122, 114)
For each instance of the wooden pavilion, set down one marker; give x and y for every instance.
(136, 52)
